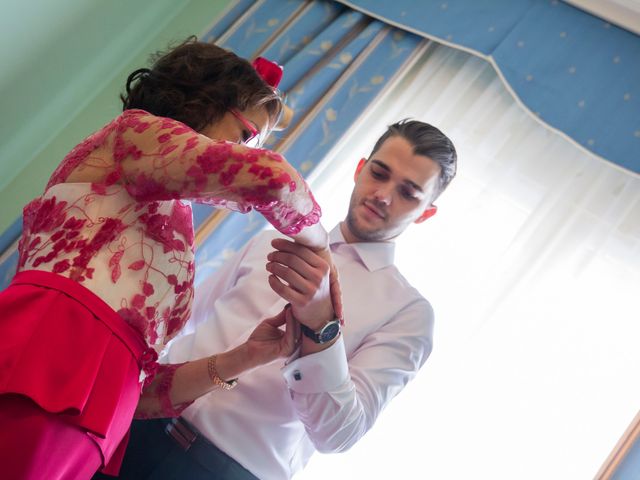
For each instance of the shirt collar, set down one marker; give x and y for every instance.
(374, 255)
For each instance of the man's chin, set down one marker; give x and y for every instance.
(364, 232)
(367, 235)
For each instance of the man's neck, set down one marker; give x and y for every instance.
(349, 237)
(346, 233)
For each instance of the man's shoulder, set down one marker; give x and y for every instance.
(411, 303)
(386, 286)
(401, 282)
(412, 298)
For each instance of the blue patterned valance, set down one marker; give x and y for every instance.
(575, 72)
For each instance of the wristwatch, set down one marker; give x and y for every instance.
(325, 334)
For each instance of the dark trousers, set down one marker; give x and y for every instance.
(153, 455)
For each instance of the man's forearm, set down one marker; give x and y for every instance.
(326, 399)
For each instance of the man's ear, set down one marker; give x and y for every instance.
(429, 212)
(359, 168)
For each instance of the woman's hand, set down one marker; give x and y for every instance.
(268, 342)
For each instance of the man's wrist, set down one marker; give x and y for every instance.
(314, 237)
(314, 323)
(326, 333)
(317, 325)
(309, 347)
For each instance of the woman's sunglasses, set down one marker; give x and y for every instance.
(256, 138)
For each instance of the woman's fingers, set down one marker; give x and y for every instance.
(292, 332)
(276, 320)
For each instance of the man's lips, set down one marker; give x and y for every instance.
(374, 210)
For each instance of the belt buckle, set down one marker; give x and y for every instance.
(181, 433)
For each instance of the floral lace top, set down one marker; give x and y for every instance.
(113, 217)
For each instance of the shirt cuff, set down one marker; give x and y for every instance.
(319, 372)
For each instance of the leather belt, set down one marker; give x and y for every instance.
(181, 432)
(199, 449)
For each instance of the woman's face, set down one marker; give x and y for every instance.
(239, 126)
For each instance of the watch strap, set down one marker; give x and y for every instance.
(309, 333)
(316, 336)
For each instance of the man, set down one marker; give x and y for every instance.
(329, 394)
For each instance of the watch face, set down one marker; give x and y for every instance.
(329, 332)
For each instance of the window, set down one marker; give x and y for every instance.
(532, 265)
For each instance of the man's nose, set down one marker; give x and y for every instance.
(383, 195)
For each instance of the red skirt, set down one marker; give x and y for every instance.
(73, 356)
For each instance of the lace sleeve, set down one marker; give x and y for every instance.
(155, 401)
(161, 159)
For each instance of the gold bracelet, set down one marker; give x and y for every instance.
(215, 378)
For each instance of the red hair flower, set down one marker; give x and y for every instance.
(270, 71)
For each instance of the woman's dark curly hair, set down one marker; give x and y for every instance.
(196, 83)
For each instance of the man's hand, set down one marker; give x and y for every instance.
(334, 284)
(307, 279)
(268, 342)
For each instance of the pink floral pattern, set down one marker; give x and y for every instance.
(113, 218)
(156, 400)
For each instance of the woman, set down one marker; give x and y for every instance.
(105, 275)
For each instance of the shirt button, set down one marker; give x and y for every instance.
(297, 375)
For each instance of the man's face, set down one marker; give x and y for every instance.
(393, 189)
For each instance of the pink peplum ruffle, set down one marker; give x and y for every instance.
(71, 354)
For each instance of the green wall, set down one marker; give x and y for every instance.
(64, 62)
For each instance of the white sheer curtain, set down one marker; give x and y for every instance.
(533, 267)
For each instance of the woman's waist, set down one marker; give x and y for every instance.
(155, 306)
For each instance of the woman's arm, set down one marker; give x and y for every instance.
(160, 159)
(175, 387)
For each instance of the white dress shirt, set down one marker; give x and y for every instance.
(277, 416)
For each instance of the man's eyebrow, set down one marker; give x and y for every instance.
(384, 166)
(381, 165)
